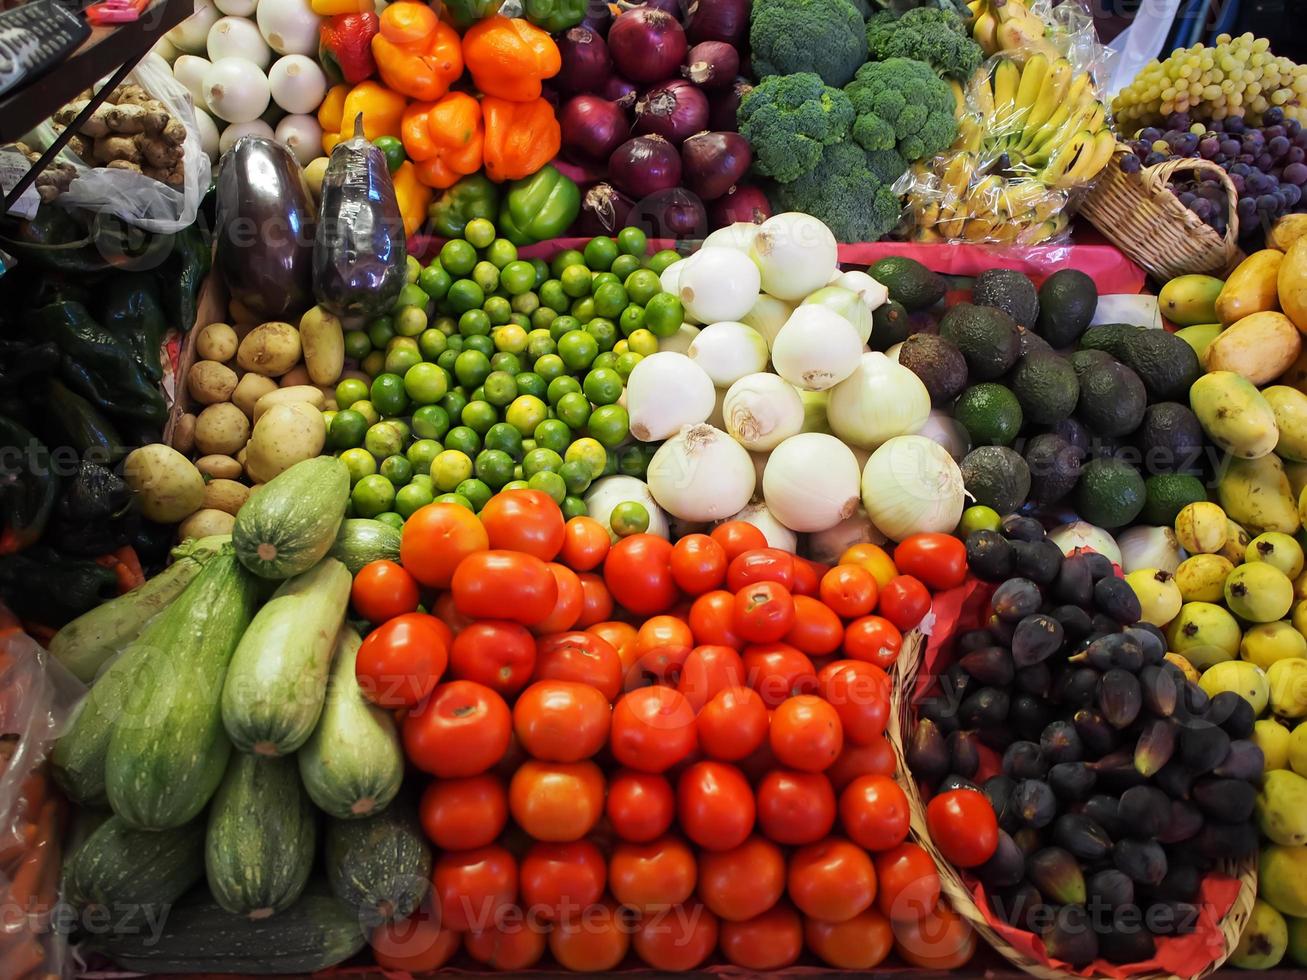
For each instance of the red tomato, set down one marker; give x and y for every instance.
(764, 612)
(859, 693)
(524, 520)
(778, 671)
(737, 537)
(874, 559)
(620, 636)
(382, 590)
(586, 658)
(401, 660)
(832, 880)
(638, 573)
(558, 880)
(712, 619)
(805, 733)
(512, 944)
(876, 759)
(556, 801)
(939, 560)
(908, 882)
(417, 944)
(495, 653)
(460, 814)
(859, 943)
(652, 729)
(873, 639)
(650, 876)
(817, 631)
(807, 577)
(561, 721)
(707, 671)
(676, 939)
(849, 590)
(733, 724)
(795, 807)
(596, 602)
(874, 812)
(473, 888)
(770, 941)
(436, 538)
(585, 543)
(940, 940)
(698, 564)
(504, 584)
(760, 565)
(904, 601)
(571, 602)
(715, 805)
(641, 805)
(662, 645)
(743, 882)
(963, 826)
(595, 941)
(453, 620)
(462, 729)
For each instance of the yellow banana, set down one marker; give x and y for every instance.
(957, 175)
(1007, 77)
(1093, 158)
(982, 91)
(1048, 140)
(959, 98)
(1064, 157)
(1032, 83)
(979, 229)
(985, 32)
(1052, 94)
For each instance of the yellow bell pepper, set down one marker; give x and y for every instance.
(382, 111)
(412, 195)
(329, 8)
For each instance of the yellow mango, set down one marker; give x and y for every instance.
(1200, 336)
(1251, 287)
(1290, 408)
(1291, 281)
(1286, 231)
(1261, 347)
(1189, 300)
(1255, 493)
(1234, 415)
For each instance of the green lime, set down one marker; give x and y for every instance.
(600, 252)
(380, 331)
(474, 323)
(574, 409)
(574, 506)
(624, 265)
(518, 277)
(506, 361)
(479, 416)
(610, 299)
(564, 259)
(457, 257)
(633, 241)
(446, 324)
(391, 519)
(520, 320)
(539, 342)
(604, 331)
(525, 303)
(611, 463)
(542, 271)
(577, 475)
(486, 275)
(350, 390)
(479, 232)
(432, 343)
(550, 483)
(631, 320)
(401, 354)
(464, 295)
(477, 492)
(454, 340)
(412, 498)
(552, 296)
(360, 463)
(410, 294)
(410, 321)
(990, 413)
(500, 252)
(610, 425)
(526, 413)
(626, 363)
(531, 384)
(510, 339)
(397, 469)
(576, 281)
(402, 427)
(392, 149)
(471, 368)
(549, 367)
(605, 360)
(584, 309)
(601, 278)
(577, 349)
(561, 386)
(516, 485)
(603, 386)
(481, 342)
(347, 430)
(495, 467)
(383, 439)
(643, 285)
(367, 410)
(423, 479)
(501, 388)
(388, 394)
(358, 344)
(643, 342)
(979, 518)
(455, 498)
(553, 434)
(449, 469)
(448, 358)
(421, 452)
(663, 315)
(430, 422)
(634, 461)
(629, 517)
(412, 268)
(589, 451)
(661, 260)
(464, 439)
(434, 280)
(426, 383)
(372, 495)
(563, 324)
(539, 460)
(505, 437)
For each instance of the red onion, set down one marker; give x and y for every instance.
(673, 110)
(712, 64)
(741, 203)
(618, 89)
(587, 65)
(643, 165)
(677, 8)
(592, 128)
(598, 18)
(604, 211)
(713, 163)
(647, 45)
(718, 20)
(671, 213)
(722, 114)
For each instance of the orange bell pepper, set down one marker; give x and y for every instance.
(416, 52)
(329, 8)
(509, 58)
(382, 111)
(444, 139)
(521, 137)
(412, 195)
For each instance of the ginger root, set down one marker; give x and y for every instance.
(123, 165)
(112, 148)
(126, 119)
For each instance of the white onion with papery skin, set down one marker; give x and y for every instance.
(607, 493)
(728, 351)
(796, 254)
(812, 482)
(777, 534)
(1082, 534)
(816, 349)
(948, 432)
(718, 284)
(761, 411)
(911, 485)
(701, 474)
(665, 392)
(679, 342)
(738, 235)
(237, 37)
(846, 303)
(767, 315)
(879, 400)
(868, 289)
(235, 89)
(1149, 547)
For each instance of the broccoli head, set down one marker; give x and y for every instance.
(901, 104)
(789, 119)
(825, 36)
(937, 37)
(844, 193)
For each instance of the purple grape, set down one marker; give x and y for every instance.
(1179, 120)
(1241, 168)
(1209, 147)
(1278, 146)
(1216, 126)
(1265, 161)
(1273, 116)
(1131, 164)
(1247, 158)
(1237, 181)
(1150, 135)
(1247, 208)
(1187, 199)
(1292, 127)
(1295, 174)
(1271, 132)
(1155, 158)
(1292, 194)
(1300, 140)
(1268, 202)
(1204, 209)
(1234, 124)
(1230, 147)
(1296, 154)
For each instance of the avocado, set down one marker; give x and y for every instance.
(1110, 493)
(938, 363)
(1166, 494)
(1031, 342)
(1112, 400)
(1164, 362)
(1170, 438)
(890, 324)
(1046, 387)
(1083, 360)
(1067, 301)
(1009, 291)
(990, 413)
(908, 281)
(1074, 432)
(1110, 337)
(1054, 467)
(996, 477)
(987, 337)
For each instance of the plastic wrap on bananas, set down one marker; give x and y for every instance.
(1021, 28)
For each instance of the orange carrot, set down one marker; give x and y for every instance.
(127, 556)
(23, 887)
(23, 956)
(13, 850)
(32, 789)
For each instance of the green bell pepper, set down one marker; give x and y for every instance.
(131, 311)
(181, 277)
(465, 13)
(28, 488)
(555, 16)
(539, 207)
(474, 196)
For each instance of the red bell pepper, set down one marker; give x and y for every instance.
(345, 46)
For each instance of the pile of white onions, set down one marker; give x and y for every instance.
(701, 474)
(728, 351)
(879, 400)
(811, 482)
(666, 391)
(761, 411)
(911, 485)
(816, 349)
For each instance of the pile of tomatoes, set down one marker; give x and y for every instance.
(670, 750)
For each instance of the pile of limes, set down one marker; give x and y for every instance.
(492, 371)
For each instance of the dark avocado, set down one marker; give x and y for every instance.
(1166, 365)
(1046, 386)
(987, 337)
(1110, 337)
(1112, 400)
(1067, 301)
(1009, 291)
(938, 363)
(909, 282)
(1171, 439)
(996, 477)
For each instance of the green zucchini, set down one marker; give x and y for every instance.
(277, 680)
(380, 867)
(198, 936)
(361, 541)
(88, 641)
(262, 832)
(352, 764)
(290, 524)
(125, 870)
(168, 750)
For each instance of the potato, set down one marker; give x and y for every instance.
(221, 429)
(210, 382)
(270, 349)
(323, 339)
(295, 393)
(216, 342)
(240, 456)
(284, 435)
(205, 522)
(183, 434)
(167, 486)
(298, 375)
(249, 390)
(218, 467)
(227, 495)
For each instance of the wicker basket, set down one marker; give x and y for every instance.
(955, 890)
(1139, 214)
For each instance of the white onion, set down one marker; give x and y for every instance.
(846, 303)
(670, 279)
(911, 486)
(759, 468)
(948, 432)
(189, 69)
(719, 284)
(237, 8)
(235, 89)
(816, 349)
(728, 351)
(297, 84)
(302, 135)
(666, 391)
(767, 316)
(892, 352)
(701, 474)
(811, 482)
(1149, 547)
(607, 493)
(208, 131)
(255, 127)
(827, 546)
(871, 292)
(679, 342)
(761, 411)
(236, 37)
(165, 49)
(738, 236)
(777, 534)
(814, 410)
(1082, 534)
(193, 33)
(795, 253)
(880, 400)
(289, 26)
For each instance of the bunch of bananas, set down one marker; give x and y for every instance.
(1009, 26)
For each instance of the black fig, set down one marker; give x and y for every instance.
(1038, 561)
(998, 789)
(1080, 835)
(1074, 585)
(1143, 811)
(990, 665)
(1021, 906)
(928, 755)
(1036, 680)
(964, 754)
(1034, 803)
(989, 555)
(987, 708)
(1109, 889)
(1061, 742)
(1119, 698)
(1155, 746)
(1185, 822)
(1181, 883)
(1218, 841)
(1127, 940)
(1160, 690)
(1018, 528)
(1226, 800)
(1056, 873)
(975, 640)
(1115, 598)
(1024, 760)
(1245, 760)
(1071, 781)
(953, 781)
(1174, 780)
(1016, 599)
(1100, 566)
(1007, 866)
(1070, 938)
(1203, 746)
(1037, 637)
(1151, 640)
(1144, 861)
(1232, 713)
(1097, 735)
(1077, 687)
(1075, 621)
(941, 711)
(1105, 811)
(1029, 715)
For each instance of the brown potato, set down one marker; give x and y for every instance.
(210, 382)
(221, 429)
(216, 342)
(270, 349)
